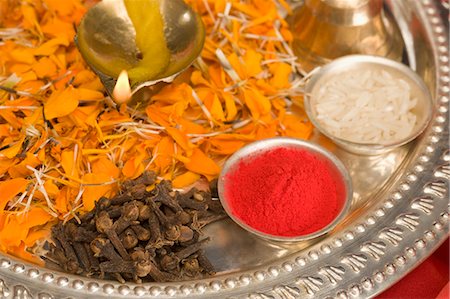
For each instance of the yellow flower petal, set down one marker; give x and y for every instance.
(61, 103)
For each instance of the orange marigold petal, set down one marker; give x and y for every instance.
(11, 188)
(105, 166)
(69, 163)
(61, 103)
(50, 46)
(35, 217)
(180, 138)
(56, 27)
(12, 234)
(253, 63)
(85, 94)
(96, 186)
(23, 55)
(45, 67)
(281, 73)
(132, 168)
(202, 164)
(186, 179)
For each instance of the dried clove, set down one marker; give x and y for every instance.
(183, 217)
(213, 188)
(146, 179)
(102, 204)
(205, 263)
(118, 277)
(165, 198)
(163, 219)
(129, 239)
(159, 275)
(93, 261)
(155, 230)
(186, 201)
(191, 267)
(115, 211)
(86, 218)
(198, 223)
(172, 233)
(104, 225)
(130, 214)
(78, 233)
(55, 256)
(198, 197)
(143, 268)
(140, 253)
(102, 247)
(82, 255)
(51, 264)
(141, 234)
(121, 199)
(184, 253)
(214, 205)
(118, 266)
(170, 262)
(186, 234)
(137, 191)
(144, 212)
(71, 265)
(195, 238)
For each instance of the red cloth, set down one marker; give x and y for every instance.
(444, 294)
(428, 281)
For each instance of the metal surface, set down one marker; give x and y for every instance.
(106, 37)
(399, 215)
(423, 109)
(337, 170)
(327, 29)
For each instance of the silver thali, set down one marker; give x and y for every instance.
(399, 215)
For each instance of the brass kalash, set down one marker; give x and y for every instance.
(327, 29)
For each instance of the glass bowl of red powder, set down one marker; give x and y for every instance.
(285, 189)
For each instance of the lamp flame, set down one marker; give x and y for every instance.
(122, 90)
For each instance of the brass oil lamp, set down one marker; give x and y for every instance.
(142, 42)
(327, 29)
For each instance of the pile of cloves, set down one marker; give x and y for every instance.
(148, 232)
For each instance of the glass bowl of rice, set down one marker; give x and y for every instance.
(368, 104)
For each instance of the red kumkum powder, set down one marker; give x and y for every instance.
(285, 192)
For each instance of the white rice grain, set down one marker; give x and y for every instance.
(366, 106)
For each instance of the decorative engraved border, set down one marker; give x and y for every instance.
(365, 259)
